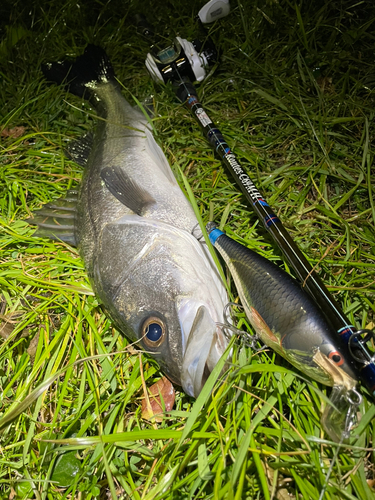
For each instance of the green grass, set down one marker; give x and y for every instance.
(293, 94)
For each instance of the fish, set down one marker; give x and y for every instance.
(137, 232)
(283, 315)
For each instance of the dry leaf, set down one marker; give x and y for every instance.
(325, 84)
(281, 493)
(162, 389)
(8, 323)
(13, 132)
(31, 350)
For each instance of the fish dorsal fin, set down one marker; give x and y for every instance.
(155, 150)
(56, 220)
(79, 149)
(128, 192)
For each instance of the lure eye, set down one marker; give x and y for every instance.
(336, 358)
(153, 332)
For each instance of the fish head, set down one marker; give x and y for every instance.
(163, 291)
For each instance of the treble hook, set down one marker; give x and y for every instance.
(353, 399)
(248, 338)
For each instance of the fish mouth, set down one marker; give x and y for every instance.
(205, 345)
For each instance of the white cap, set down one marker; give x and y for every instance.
(214, 9)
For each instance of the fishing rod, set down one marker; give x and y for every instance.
(183, 63)
(362, 360)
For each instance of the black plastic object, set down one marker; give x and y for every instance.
(143, 27)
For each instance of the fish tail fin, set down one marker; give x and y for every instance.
(82, 75)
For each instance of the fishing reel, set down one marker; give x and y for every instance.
(184, 60)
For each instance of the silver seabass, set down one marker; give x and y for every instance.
(134, 229)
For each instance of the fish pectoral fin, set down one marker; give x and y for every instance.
(56, 220)
(80, 149)
(128, 192)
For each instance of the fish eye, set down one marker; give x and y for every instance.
(153, 332)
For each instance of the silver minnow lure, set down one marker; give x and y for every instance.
(134, 228)
(283, 315)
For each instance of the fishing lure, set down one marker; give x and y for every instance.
(287, 319)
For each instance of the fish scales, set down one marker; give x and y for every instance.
(134, 230)
(121, 141)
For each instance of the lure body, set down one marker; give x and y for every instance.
(283, 315)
